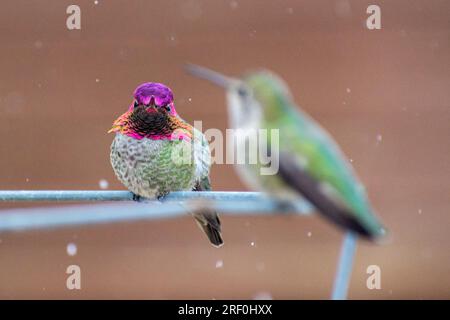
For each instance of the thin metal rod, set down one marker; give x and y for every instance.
(344, 271)
(64, 195)
(173, 205)
(117, 195)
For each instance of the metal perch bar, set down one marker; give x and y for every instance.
(173, 205)
(96, 195)
(344, 270)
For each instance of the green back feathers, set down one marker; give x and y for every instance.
(315, 150)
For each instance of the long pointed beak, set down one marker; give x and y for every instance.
(115, 127)
(119, 122)
(209, 75)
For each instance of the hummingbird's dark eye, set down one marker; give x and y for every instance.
(242, 91)
(136, 103)
(168, 108)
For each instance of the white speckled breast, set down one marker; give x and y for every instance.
(146, 168)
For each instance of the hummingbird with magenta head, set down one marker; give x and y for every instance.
(148, 153)
(310, 164)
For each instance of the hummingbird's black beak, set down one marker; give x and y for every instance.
(210, 75)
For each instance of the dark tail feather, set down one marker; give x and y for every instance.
(214, 235)
(210, 228)
(207, 219)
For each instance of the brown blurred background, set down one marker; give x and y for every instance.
(383, 94)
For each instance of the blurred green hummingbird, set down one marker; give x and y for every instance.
(308, 162)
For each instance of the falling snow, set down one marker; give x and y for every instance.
(420, 211)
(71, 249)
(95, 2)
(103, 184)
(252, 244)
(309, 234)
(219, 263)
(38, 44)
(348, 90)
(97, 80)
(263, 295)
(172, 40)
(379, 138)
(290, 10)
(234, 4)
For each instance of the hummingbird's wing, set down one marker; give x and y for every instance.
(311, 163)
(312, 189)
